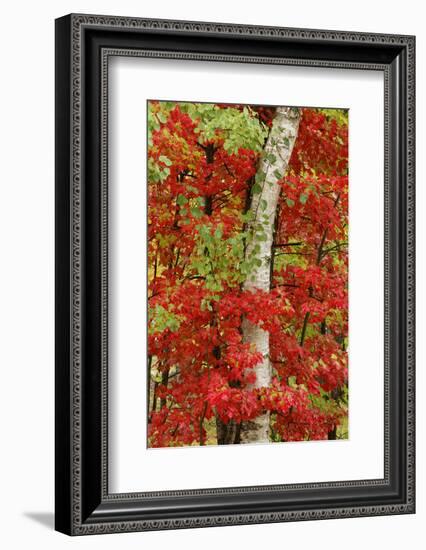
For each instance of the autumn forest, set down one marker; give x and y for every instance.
(247, 274)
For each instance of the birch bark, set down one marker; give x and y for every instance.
(273, 165)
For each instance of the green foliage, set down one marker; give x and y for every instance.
(156, 172)
(217, 259)
(239, 129)
(165, 160)
(224, 261)
(341, 116)
(181, 200)
(196, 212)
(160, 319)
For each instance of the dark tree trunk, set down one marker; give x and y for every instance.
(332, 434)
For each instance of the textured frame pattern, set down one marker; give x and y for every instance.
(107, 53)
(78, 23)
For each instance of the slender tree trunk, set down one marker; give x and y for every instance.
(332, 434)
(227, 433)
(272, 167)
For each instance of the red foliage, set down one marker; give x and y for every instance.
(204, 368)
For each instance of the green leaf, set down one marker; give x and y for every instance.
(277, 174)
(196, 212)
(162, 117)
(165, 160)
(303, 198)
(247, 217)
(164, 174)
(256, 189)
(161, 319)
(290, 202)
(218, 233)
(181, 200)
(263, 204)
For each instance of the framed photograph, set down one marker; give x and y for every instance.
(234, 274)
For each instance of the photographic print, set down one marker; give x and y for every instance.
(247, 274)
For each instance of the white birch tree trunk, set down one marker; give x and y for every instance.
(273, 165)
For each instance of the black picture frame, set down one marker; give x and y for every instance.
(83, 45)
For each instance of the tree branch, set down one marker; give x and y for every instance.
(280, 245)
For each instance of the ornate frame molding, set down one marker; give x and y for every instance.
(72, 62)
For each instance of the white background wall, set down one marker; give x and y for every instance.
(26, 289)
